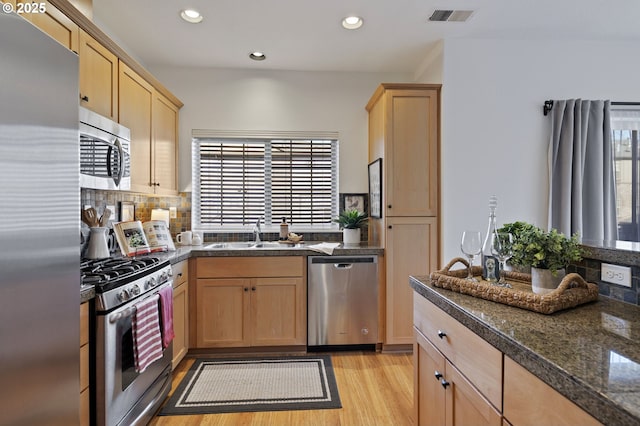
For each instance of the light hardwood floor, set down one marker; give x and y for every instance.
(375, 389)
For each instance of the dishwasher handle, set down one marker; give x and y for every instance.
(342, 260)
(343, 265)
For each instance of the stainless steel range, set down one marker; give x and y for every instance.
(125, 396)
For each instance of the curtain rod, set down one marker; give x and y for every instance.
(548, 105)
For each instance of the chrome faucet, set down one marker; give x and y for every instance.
(257, 231)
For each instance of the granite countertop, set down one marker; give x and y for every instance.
(590, 354)
(303, 249)
(185, 252)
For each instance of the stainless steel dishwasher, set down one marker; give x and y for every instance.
(342, 300)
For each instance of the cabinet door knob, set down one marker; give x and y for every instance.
(253, 289)
(390, 227)
(246, 289)
(389, 206)
(84, 98)
(442, 334)
(438, 375)
(444, 383)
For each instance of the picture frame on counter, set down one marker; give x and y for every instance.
(127, 211)
(354, 201)
(375, 188)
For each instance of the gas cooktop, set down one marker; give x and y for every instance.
(106, 274)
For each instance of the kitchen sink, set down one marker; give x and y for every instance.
(245, 245)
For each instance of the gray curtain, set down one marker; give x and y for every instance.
(581, 170)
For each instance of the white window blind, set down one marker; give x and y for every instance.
(236, 181)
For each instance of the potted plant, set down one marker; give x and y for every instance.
(547, 253)
(351, 221)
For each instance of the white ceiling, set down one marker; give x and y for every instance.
(306, 35)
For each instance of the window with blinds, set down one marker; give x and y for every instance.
(237, 181)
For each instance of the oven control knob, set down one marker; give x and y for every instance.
(123, 295)
(164, 277)
(150, 283)
(135, 290)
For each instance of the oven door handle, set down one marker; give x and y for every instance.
(113, 318)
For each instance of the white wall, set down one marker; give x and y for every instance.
(226, 99)
(494, 135)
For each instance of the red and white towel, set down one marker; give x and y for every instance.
(166, 309)
(147, 342)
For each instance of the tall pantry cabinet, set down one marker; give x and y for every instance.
(404, 121)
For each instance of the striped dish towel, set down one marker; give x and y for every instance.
(147, 343)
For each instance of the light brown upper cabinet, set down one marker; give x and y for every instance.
(98, 77)
(403, 131)
(153, 121)
(135, 112)
(165, 146)
(52, 21)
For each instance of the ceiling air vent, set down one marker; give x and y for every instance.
(439, 15)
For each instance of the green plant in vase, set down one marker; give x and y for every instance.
(537, 248)
(547, 253)
(351, 221)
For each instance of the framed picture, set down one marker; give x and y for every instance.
(354, 201)
(127, 211)
(375, 188)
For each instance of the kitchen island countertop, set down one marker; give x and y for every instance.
(590, 354)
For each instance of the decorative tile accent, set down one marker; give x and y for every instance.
(591, 265)
(143, 204)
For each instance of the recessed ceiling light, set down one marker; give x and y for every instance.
(257, 56)
(352, 22)
(192, 16)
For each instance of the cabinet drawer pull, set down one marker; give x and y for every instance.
(84, 98)
(438, 375)
(444, 383)
(442, 334)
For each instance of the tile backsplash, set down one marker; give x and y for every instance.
(143, 205)
(591, 265)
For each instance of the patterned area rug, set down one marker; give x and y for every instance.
(267, 384)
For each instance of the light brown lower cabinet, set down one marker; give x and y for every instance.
(250, 301)
(443, 395)
(180, 311)
(530, 401)
(460, 379)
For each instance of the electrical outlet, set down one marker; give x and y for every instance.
(173, 212)
(616, 274)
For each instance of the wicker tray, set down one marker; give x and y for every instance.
(572, 291)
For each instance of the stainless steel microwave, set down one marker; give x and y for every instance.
(105, 152)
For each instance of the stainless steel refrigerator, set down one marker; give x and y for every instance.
(39, 228)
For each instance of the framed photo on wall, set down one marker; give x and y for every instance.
(375, 188)
(354, 201)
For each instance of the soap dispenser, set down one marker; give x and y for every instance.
(284, 230)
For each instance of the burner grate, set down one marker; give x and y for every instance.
(113, 271)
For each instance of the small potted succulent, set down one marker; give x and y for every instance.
(547, 253)
(351, 221)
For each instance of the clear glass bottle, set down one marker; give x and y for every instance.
(490, 265)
